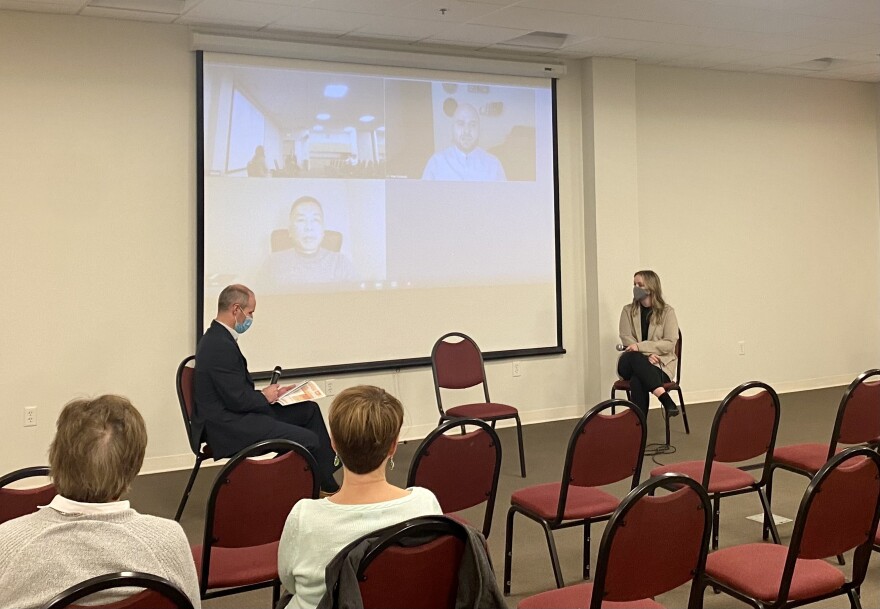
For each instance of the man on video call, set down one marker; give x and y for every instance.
(231, 412)
(464, 160)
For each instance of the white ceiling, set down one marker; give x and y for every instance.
(773, 36)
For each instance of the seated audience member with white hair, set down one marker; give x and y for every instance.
(88, 530)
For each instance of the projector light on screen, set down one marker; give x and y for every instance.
(420, 203)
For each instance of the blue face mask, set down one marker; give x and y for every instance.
(242, 327)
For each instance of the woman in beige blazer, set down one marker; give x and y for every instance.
(648, 331)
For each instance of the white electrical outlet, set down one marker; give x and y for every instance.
(30, 416)
(517, 368)
(329, 387)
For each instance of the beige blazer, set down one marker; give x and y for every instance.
(660, 340)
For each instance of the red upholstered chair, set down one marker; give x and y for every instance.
(460, 469)
(857, 422)
(744, 428)
(16, 502)
(392, 576)
(247, 508)
(159, 593)
(673, 385)
(838, 513)
(186, 398)
(459, 365)
(604, 448)
(651, 545)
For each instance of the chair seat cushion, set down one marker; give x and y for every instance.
(582, 501)
(806, 457)
(723, 477)
(483, 410)
(621, 385)
(239, 566)
(756, 570)
(575, 597)
(670, 386)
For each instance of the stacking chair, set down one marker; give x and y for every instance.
(604, 448)
(460, 469)
(673, 385)
(248, 505)
(459, 365)
(16, 502)
(392, 576)
(184, 381)
(838, 513)
(159, 593)
(857, 422)
(651, 545)
(744, 428)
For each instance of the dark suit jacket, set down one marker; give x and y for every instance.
(228, 410)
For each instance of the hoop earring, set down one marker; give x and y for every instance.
(391, 463)
(336, 461)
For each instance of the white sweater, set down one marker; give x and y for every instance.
(45, 553)
(317, 529)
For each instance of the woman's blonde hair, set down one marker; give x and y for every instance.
(658, 305)
(365, 423)
(98, 449)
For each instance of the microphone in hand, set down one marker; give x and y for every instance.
(620, 347)
(276, 374)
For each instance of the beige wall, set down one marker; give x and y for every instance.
(756, 199)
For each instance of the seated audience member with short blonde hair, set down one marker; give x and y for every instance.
(365, 424)
(87, 530)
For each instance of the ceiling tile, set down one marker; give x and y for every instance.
(403, 29)
(58, 6)
(837, 29)
(309, 19)
(373, 7)
(544, 21)
(234, 12)
(456, 11)
(599, 47)
(115, 13)
(482, 34)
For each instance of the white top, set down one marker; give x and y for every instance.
(475, 166)
(316, 530)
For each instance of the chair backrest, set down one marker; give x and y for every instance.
(604, 448)
(184, 380)
(251, 498)
(838, 512)
(159, 594)
(858, 417)
(744, 427)
(460, 469)
(457, 365)
(424, 576)
(667, 536)
(15, 502)
(677, 350)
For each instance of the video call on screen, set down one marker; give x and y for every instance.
(322, 180)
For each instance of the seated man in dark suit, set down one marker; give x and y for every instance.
(231, 412)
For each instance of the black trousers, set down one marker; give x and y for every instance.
(643, 376)
(304, 424)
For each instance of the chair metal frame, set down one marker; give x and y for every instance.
(424, 450)
(25, 472)
(760, 485)
(200, 448)
(559, 522)
(673, 385)
(260, 448)
(860, 559)
(123, 579)
(492, 420)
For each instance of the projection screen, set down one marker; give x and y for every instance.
(374, 209)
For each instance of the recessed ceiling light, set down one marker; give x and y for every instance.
(323, 116)
(367, 118)
(335, 91)
(318, 128)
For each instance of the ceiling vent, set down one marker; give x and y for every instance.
(815, 65)
(538, 40)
